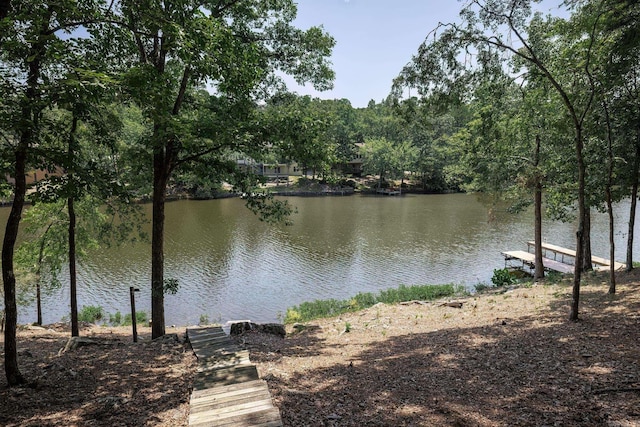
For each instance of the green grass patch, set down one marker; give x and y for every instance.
(119, 320)
(332, 307)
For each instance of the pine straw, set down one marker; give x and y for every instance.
(503, 359)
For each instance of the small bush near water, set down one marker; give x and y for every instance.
(332, 307)
(95, 314)
(119, 320)
(90, 314)
(502, 277)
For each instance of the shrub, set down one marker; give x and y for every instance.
(115, 319)
(348, 183)
(502, 277)
(141, 318)
(90, 314)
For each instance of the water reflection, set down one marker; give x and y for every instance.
(232, 266)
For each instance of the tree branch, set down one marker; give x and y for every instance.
(186, 74)
(218, 12)
(196, 156)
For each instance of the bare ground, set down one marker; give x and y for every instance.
(503, 359)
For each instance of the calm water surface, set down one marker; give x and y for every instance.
(232, 266)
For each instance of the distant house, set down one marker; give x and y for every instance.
(270, 170)
(282, 169)
(353, 166)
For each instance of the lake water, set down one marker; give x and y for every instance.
(232, 266)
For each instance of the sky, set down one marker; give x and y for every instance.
(375, 39)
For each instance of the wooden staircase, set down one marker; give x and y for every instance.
(227, 390)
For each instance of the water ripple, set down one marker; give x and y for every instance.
(231, 266)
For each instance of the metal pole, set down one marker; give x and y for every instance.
(132, 291)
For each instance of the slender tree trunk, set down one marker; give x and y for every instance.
(72, 268)
(39, 302)
(612, 247)
(577, 271)
(73, 288)
(587, 265)
(539, 267)
(609, 200)
(39, 273)
(160, 179)
(634, 203)
(38, 276)
(30, 117)
(12, 371)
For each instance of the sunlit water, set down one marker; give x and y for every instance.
(232, 266)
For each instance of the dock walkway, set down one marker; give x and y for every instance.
(562, 265)
(599, 263)
(529, 259)
(227, 390)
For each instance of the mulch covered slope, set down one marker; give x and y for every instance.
(509, 359)
(503, 359)
(111, 382)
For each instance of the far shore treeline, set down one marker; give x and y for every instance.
(107, 103)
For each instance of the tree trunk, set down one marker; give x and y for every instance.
(160, 179)
(39, 274)
(72, 268)
(577, 271)
(14, 377)
(587, 265)
(75, 330)
(609, 199)
(612, 245)
(39, 302)
(539, 267)
(30, 117)
(634, 203)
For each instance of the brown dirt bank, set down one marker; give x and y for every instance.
(509, 359)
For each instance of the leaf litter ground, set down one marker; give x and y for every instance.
(506, 358)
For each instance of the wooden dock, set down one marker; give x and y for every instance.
(227, 390)
(529, 260)
(600, 264)
(388, 191)
(563, 265)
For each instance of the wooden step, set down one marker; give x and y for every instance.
(226, 360)
(225, 376)
(257, 414)
(205, 353)
(229, 400)
(223, 389)
(194, 334)
(227, 391)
